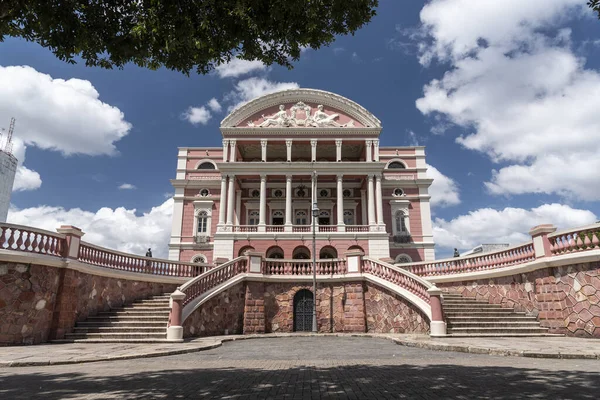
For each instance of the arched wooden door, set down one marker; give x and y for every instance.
(303, 311)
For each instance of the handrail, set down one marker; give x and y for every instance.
(113, 259)
(31, 240)
(212, 278)
(472, 263)
(575, 240)
(405, 279)
(278, 266)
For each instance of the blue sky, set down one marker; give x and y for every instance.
(504, 95)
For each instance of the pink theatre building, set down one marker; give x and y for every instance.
(286, 154)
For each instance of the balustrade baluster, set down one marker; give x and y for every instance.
(35, 243)
(27, 242)
(20, 239)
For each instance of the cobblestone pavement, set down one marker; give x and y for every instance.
(309, 368)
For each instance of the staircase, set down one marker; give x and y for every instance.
(144, 321)
(468, 317)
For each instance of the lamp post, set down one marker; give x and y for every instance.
(315, 214)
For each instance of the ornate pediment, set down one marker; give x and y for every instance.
(301, 108)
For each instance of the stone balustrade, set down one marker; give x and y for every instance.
(575, 240)
(271, 266)
(31, 240)
(397, 276)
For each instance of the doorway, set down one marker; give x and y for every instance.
(303, 311)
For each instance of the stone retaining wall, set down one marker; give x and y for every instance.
(39, 303)
(565, 299)
(389, 313)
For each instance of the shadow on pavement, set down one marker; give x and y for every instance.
(350, 381)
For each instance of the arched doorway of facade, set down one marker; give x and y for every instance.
(303, 311)
(244, 249)
(328, 252)
(274, 252)
(301, 253)
(355, 248)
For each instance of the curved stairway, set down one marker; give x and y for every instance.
(144, 321)
(468, 317)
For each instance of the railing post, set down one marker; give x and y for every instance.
(175, 330)
(254, 262)
(541, 244)
(354, 261)
(72, 240)
(438, 326)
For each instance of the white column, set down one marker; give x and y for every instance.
(288, 203)
(263, 150)
(376, 150)
(225, 148)
(340, 204)
(230, 200)
(363, 207)
(368, 143)
(288, 145)
(371, 200)
(238, 206)
(379, 197)
(222, 201)
(232, 153)
(338, 150)
(313, 150)
(313, 194)
(263, 204)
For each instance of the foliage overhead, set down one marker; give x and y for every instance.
(181, 35)
(595, 5)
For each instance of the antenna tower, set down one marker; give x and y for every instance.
(9, 146)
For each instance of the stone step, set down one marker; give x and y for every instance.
(117, 323)
(141, 308)
(124, 335)
(152, 301)
(506, 318)
(132, 312)
(116, 341)
(491, 313)
(496, 324)
(468, 335)
(128, 318)
(472, 302)
(481, 305)
(506, 330)
(119, 329)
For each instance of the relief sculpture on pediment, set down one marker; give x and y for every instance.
(283, 119)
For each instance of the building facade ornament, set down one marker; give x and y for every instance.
(283, 119)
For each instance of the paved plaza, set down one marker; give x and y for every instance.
(309, 368)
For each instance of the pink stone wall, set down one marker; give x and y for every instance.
(223, 314)
(38, 303)
(565, 299)
(416, 255)
(389, 313)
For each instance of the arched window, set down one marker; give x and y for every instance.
(403, 259)
(301, 217)
(301, 253)
(199, 258)
(244, 249)
(396, 165)
(278, 217)
(348, 217)
(253, 217)
(206, 165)
(274, 252)
(400, 222)
(328, 252)
(202, 222)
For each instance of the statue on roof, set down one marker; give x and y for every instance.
(280, 118)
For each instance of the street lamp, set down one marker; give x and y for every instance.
(315, 215)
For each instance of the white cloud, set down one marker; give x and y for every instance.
(127, 186)
(251, 88)
(214, 105)
(444, 190)
(119, 228)
(237, 67)
(25, 178)
(57, 114)
(510, 225)
(338, 50)
(197, 115)
(518, 87)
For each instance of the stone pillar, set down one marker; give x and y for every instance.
(340, 204)
(225, 148)
(363, 207)
(263, 204)
(379, 196)
(254, 262)
(338, 150)
(288, 203)
(376, 150)
(222, 201)
(254, 309)
(313, 150)
(438, 326)
(354, 261)
(288, 146)
(230, 200)
(371, 201)
(232, 153)
(369, 157)
(238, 206)
(541, 244)
(354, 307)
(263, 150)
(72, 240)
(175, 329)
